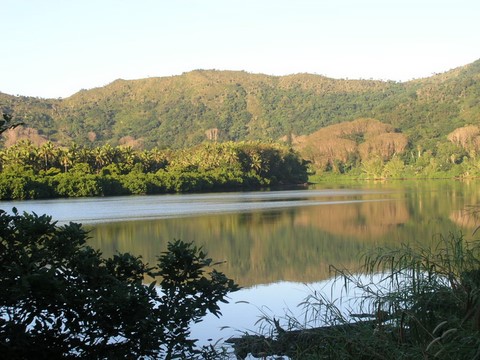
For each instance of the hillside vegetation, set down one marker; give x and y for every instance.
(208, 105)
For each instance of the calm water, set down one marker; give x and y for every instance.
(273, 242)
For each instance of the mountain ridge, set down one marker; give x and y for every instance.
(181, 110)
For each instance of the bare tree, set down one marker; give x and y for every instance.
(6, 123)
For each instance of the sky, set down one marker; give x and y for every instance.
(54, 48)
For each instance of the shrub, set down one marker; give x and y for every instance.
(59, 298)
(77, 185)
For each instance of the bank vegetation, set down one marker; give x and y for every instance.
(49, 171)
(411, 302)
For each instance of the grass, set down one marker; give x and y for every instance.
(411, 302)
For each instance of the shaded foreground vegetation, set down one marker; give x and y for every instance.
(414, 303)
(60, 299)
(32, 172)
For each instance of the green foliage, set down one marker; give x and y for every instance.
(118, 171)
(59, 298)
(394, 169)
(373, 168)
(187, 295)
(77, 185)
(431, 295)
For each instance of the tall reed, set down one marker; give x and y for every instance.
(411, 302)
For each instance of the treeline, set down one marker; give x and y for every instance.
(48, 171)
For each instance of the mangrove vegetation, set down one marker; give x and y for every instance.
(47, 171)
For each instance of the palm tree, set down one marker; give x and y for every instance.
(103, 155)
(3, 157)
(256, 162)
(146, 158)
(161, 158)
(85, 155)
(127, 157)
(74, 150)
(230, 153)
(66, 158)
(47, 152)
(100, 159)
(23, 153)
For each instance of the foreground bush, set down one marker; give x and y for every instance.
(59, 298)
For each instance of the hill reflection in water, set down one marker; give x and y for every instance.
(298, 242)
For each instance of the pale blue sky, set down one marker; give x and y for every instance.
(54, 48)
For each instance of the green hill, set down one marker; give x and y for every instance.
(185, 110)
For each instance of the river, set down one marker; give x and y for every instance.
(277, 245)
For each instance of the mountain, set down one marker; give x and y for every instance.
(185, 110)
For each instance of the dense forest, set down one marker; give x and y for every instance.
(422, 128)
(32, 172)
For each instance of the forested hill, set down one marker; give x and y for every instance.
(201, 105)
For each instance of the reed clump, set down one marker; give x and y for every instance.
(412, 302)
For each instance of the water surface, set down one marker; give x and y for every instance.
(273, 241)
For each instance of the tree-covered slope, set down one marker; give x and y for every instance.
(185, 110)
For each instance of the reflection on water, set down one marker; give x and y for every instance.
(267, 237)
(247, 307)
(278, 239)
(367, 220)
(252, 309)
(271, 236)
(259, 246)
(469, 217)
(298, 243)
(116, 209)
